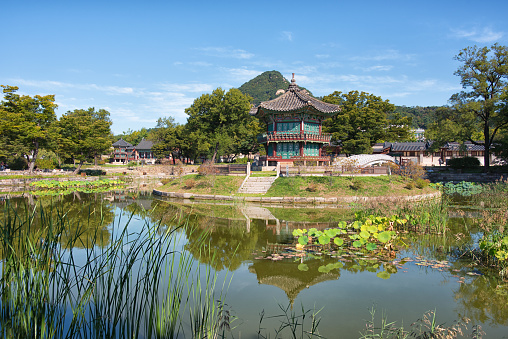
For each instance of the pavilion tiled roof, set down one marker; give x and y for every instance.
(295, 99)
(144, 144)
(122, 143)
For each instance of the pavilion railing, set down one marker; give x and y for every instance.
(289, 136)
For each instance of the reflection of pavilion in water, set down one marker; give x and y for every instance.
(276, 225)
(286, 275)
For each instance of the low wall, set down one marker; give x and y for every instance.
(295, 200)
(458, 177)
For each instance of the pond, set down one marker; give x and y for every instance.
(262, 278)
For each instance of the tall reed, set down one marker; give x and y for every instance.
(140, 285)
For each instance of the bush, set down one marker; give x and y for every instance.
(243, 160)
(45, 163)
(422, 183)
(92, 172)
(132, 164)
(190, 183)
(17, 164)
(410, 185)
(465, 162)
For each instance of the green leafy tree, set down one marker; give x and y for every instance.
(84, 134)
(363, 121)
(25, 124)
(167, 139)
(133, 137)
(482, 106)
(222, 117)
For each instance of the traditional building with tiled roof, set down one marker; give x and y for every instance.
(125, 152)
(294, 122)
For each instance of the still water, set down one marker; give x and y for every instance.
(250, 247)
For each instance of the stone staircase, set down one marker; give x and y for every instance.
(257, 185)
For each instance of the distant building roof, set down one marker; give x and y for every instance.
(469, 146)
(144, 144)
(408, 146)
(295, 99)
(122, 143)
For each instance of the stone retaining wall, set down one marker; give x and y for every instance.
(458, 177)
(295, 200)
(22, 182)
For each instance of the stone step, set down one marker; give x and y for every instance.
(257, 185)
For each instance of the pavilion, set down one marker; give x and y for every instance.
(294, 128)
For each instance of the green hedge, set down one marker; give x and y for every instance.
(465, 162)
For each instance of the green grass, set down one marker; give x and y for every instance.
(342, 186)
(205, 184)
(263, 174)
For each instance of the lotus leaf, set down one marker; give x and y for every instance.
(303, 267)
(383, 275)
(385, 236)
(324, 239)
(338, 241)
(371, 247)
(357, 243)
(365, 234)
(304, 240)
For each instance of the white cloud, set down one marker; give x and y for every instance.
(378, 68)
(226, 52)
(478, 35)
(286, 35)
(389, 54)
(322, 56)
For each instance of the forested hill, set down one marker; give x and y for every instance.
(422, 116)
(264, 86)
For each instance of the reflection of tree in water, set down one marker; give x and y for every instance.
(483, 300)
(227, 242)
(83, 218)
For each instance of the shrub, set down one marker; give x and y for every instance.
(132, 163)
(312, 187)
(410, 185)
(207, 168)
(190, 183)
(45, 163)
(422, 183)
(92, 172)
(465, 162)
(17, 163)
(243, 160)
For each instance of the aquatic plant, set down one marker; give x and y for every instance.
(463, 188)
(425, 327)
(50, 288)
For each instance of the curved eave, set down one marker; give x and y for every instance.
(309, 109)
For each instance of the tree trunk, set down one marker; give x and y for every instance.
(215, 152)
(35, 152)
(486, 153)
(76, 171)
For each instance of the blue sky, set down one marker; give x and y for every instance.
(144, 60)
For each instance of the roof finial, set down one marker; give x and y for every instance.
(293, 79)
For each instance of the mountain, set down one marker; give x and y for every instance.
(265, 86)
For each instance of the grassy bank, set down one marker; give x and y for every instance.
(343, 186)
(204, 184)
(300, 186)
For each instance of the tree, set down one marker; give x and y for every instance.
(133, 137)
(222, 117)
(484, 74)
(363, 121)
(25, 124)
(84, 134)
(166, 138)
